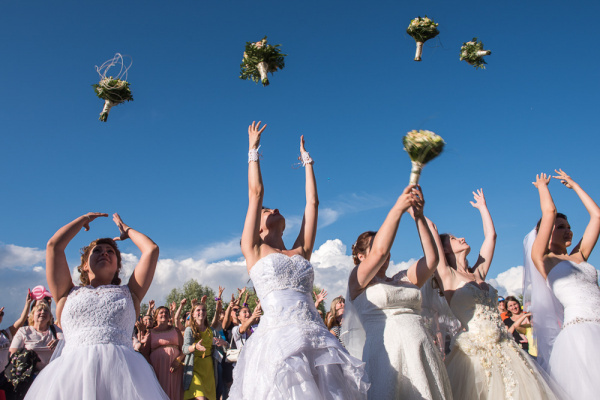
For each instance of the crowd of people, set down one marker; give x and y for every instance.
(436, 330)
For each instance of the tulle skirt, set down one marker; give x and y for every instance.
(297, 361)
(575, 361)
(497, 371)
(99, 371)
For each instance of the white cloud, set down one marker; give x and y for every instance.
(328, 216)
(509, 282)
(12, 256)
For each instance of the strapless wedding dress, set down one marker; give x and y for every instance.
(97, 360)
(485, 361)
(291, 355)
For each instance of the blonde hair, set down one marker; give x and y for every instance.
(38, 306)
(332, 321)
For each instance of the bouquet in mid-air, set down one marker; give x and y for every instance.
(113, 90)
(422, 29)
(473, 52)
(259, 59)
(422, 147)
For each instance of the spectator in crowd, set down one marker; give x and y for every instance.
(220, 342)
(162, 349)
(334, 324)
(502, 308)
(247, 326)
(199, 379)
(230, 321)
(517, 322)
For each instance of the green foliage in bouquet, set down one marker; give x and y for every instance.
(422, 147)
(113, 92)
(472, 52)
(422, 29)
(259, 59)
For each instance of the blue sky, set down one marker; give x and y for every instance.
(173, 161)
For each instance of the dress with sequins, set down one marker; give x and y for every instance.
(485, 361)
(575, 358)
(291, 355)
(97, 360)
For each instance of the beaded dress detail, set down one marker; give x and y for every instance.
(485, 361)
(401, 359)
(97, 360)
(292, 355)
(575, 358)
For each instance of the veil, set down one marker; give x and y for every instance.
(353, 333)
(546, 310)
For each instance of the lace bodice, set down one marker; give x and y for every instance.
(284, 286)
(98, 316)
(576, 287)
(387, 298)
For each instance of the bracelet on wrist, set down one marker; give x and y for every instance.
(306, 158)
(253, 155)
(217, 299)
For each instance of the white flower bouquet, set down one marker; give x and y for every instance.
(422, 29)
(259, 59)
(473, 52)
(422, 147)
(115, 90)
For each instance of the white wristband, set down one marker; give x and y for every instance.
(306, 158)
(253, 154)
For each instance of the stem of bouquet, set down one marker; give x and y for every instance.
(107, 106)
(415, 172)
(262, 69)
(481, 53)
(419, 51)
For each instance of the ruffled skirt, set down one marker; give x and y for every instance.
(99, 371)
(297, 361)
(575, 361)
(495, 371)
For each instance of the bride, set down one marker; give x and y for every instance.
(485, 361)
(98, 360)
(565, 298)
(382, 322)
(291, 355)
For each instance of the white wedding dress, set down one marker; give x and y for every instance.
(485, 361)
(97, 360)
(575, 357)
(401, 360)
(291, 354)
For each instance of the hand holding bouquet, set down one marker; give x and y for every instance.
(259, 59)
(113, 91)
(422, 147)
(472, 52)
(422, 29)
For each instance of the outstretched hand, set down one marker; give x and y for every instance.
(123, 228)
(254, 132)
(406, 199)
(320, 297)
(479, 199)
(541, 180)
(302, 148)
(90, 217)
(564, 178)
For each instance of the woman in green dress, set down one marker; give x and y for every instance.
(198, 377)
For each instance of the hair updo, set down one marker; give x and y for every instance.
(558, 215)
(85, 255)
(362, 244)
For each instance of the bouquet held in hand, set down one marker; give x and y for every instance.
(115, 90)
(259, 59)
(473, 52)
(422, 147)
(422, 29)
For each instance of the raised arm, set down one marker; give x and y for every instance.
(58, 273)
(540, 245)
(24, 314)
(308, 231)
(140, 280)
(420, 271)
(251, 233)
(177, 317)
(252, 320)
(215, 321)
(382, 242)
(486, 253)
(320, 297)
(590, 236)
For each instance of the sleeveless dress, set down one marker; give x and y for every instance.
(97, 359)
(292, 355)
(485, 361)
(575, 358)
(401, 360)
(164, 348)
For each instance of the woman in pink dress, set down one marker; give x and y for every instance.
(163, 349)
